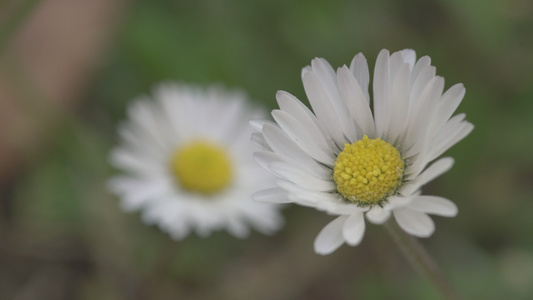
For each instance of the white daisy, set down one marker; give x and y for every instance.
(187, 163)
(351, 161)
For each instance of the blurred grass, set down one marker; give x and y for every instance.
(21, 12)
(62, 212)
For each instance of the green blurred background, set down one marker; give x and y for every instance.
(68, 69)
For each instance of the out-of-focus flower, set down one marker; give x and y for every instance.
(351, 161)
(187, 164)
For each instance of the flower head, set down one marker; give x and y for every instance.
(187, 163)
(353, 161)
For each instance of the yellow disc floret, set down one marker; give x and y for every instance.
(202, 167)
(368, 171)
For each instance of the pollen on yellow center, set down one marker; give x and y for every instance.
(368, 171)
(202, 167)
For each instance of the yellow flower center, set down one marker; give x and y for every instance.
(202, 167)
(368, 171)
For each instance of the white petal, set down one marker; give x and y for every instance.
(418, 161)
(377, 215)
(173, 107)
(415, 223)
(136, 192)
(359, 68)
(409, 57)
(266, 158)
(272, 195)
(282, 144)
(259, 140)
(446, 133)
(448, 104)
(300, 135)
(265, 217)
(160, 211)
(144, 118)
(326, 75)
(323, 108)
(395, 62)
(237, 228)
(329, 202)
(397, 202)
(300, 112)
(345, 120)
(302, 178)
(305, 70)
(289, 153)
(452, 138)
(354, 229)
(124, 159)
(337, 206)
(419, 83)
(399, 103)
(423, 63)
(422, 114)
(330, 237)
(356, 102)
(433, 171)
(381, 92)
(449, 127)
(434, 205)
(132, 141)
(231, 116)
(303, 196)
(257, 125)
(179, 229)
(328, 79)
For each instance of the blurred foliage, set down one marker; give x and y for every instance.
(61, 221)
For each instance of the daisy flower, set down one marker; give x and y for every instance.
(187, 163)
(353, 161)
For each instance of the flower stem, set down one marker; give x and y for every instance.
(420, 260)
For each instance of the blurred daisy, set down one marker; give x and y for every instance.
(187, 164)
(351, 161)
